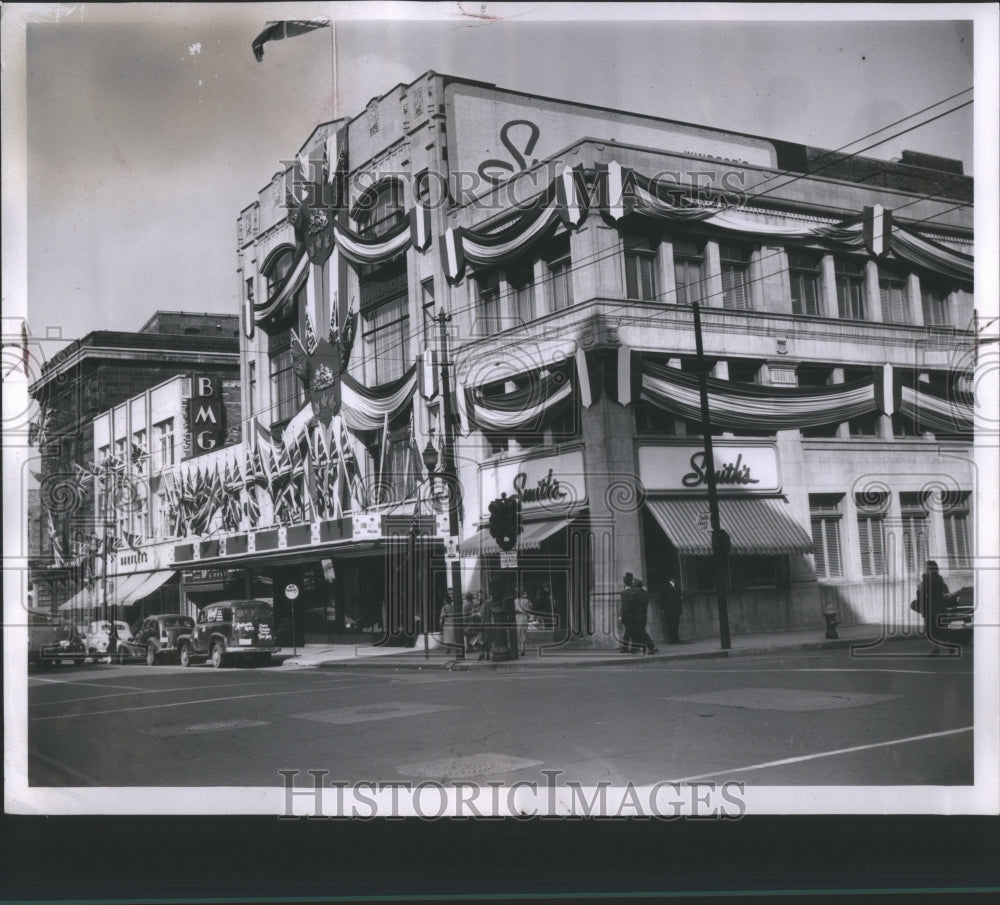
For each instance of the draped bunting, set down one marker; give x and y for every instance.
(751, 407)
(935, 410)
(564, 199)
(521, 407)
(626, 191)
(364, 409)
(362, 250)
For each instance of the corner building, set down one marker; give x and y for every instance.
(567, 243)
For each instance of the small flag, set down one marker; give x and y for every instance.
(290, 28)
(877, 229)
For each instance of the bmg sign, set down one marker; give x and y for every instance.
(208, 429)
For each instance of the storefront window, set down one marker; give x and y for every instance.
(746, 573)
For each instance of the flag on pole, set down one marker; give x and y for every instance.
(290, 28)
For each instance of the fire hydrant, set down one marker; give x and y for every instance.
(830, 615)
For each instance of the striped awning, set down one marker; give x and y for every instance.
(756, 526)
(482, 543)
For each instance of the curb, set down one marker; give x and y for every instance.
(584, 659)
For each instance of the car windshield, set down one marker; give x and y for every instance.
(178, 622)
(246, 613)
(102, 627)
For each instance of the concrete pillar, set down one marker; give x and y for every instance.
(837, 376)
(609, 435)
(665, 262)
(873, 297)
(916, 309)
(713, 281)
(597, 262)
(828, 306)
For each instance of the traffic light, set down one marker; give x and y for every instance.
(505, 521)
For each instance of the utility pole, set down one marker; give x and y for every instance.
(720, 538)
(451, 476)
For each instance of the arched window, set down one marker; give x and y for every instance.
(277, 267)
(380, 209)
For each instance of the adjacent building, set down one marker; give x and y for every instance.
(97, 374)
(462, 274)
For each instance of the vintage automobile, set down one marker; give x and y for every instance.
(157, 637)
(955, 623)
(98, 637)
(52, 640)
(231, 631)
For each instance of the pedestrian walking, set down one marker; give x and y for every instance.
(932, 598)
(626, 608)
(522, 612)
(672, 598)
(640, 613)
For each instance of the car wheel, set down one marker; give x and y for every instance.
(185, 655)
(151, 652)
(217, 653)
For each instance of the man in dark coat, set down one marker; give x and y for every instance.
(640, 613)
(626, 609)
(932, 598)
(672, 598)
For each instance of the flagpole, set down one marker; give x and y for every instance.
(333, 62)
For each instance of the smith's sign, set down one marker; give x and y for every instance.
(740, 467)
(554, 482)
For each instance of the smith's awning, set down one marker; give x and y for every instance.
(482, 543)
(757, 526)
(150, 582)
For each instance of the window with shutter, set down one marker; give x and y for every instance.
(825, 515)
(803, 272)
(934, 301)
(871, 534)
(640, 269)
(850, 281)
(689, 272)
(956, 530)
(914, 527)
(892, 289)
(735, 263)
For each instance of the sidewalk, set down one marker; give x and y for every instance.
(347, 655)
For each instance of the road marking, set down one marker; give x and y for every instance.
(805, 757)
(366, 713)
(793, 700)
(91, 684)
(239, 697)
(170, 731)
(123, 694)
(915, 672)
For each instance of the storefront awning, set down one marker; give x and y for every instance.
(85, 599)
(482, 543)
(757, 526)
(122, 591)
(150, 582)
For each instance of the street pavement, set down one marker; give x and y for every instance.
(796, 710)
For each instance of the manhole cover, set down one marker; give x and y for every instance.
(473, 765)
(378, 708)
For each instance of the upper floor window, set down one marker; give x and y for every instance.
(164, 438)
(640, 269)
(488, 320)
(522, 287)
(895, 304)
(380, 210)
(934, 301)
(286, 389)
(139, 452)
(803, 272)
(689, 272)
(735, 265)
(385, 320)
(560, 276)
(850, 279)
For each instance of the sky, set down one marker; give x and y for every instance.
(149, 127)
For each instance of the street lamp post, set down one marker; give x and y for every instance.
(449, 471)
(720, 538)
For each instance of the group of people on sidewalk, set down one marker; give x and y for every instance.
(494, 628)
(633, 613)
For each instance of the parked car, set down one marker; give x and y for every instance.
(52, 640)
(98, 634)
(955, 623)
(231, 630)
(157, 637)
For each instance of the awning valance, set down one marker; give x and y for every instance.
(482, 543)
(756, 526)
